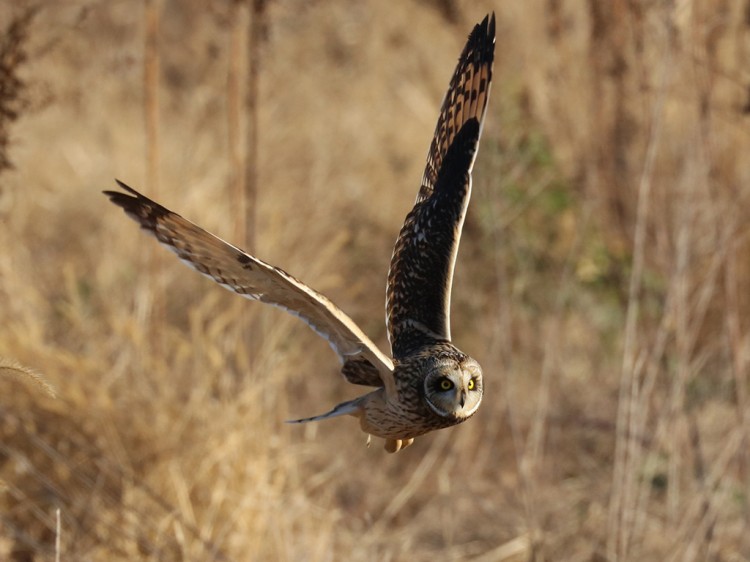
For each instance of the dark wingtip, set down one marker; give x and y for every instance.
(485, 28)
(118, 197)
(482, 41)
(126, 187)
(136, 205)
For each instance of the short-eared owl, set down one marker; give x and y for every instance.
(429, 384)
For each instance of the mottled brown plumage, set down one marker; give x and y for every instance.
(429, 384)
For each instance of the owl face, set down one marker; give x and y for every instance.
(453, 389)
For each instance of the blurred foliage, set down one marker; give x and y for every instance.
(12, 57)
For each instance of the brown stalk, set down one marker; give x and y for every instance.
(621, 516)
(153, 308)
(256, 32)
(237, 14)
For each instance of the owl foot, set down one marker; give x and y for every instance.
(395, 445)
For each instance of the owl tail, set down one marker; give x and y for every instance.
(352, 407)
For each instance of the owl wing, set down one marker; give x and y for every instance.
(465, 99)
(421, 272)
(363, 362)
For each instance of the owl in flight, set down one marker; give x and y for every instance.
(429, 384)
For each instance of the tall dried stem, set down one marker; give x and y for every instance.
(621, 516)
(256, 31)
(237, 15)
(151, 303)
(151, 66)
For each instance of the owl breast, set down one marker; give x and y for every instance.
(405, 418)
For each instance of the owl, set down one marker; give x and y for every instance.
(429, 383)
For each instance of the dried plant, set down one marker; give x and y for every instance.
(12, 57)
(11, 368)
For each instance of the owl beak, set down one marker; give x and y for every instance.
(463, 398)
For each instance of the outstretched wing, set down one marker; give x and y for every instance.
(421, 272)
(254, 279)
(465, 99)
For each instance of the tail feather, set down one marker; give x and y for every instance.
(352, 407)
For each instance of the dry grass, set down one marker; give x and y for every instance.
(13, 369)
(603, 284)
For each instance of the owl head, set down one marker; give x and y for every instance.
(453, 388)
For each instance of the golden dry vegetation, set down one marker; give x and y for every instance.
(603, 282)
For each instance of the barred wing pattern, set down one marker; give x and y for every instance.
(465, 99)
(421, 273)
(363, 362)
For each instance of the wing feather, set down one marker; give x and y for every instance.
(466, 98)
(421, 272)
(254, 279)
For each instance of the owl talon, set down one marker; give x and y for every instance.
(392, 445)
(395, 445)
(369, 440)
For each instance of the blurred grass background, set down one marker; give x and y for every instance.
(603, 281)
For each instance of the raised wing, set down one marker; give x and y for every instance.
(421, 273)
(363, 362)
(465, 99)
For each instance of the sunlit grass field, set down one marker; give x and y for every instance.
(603, 282)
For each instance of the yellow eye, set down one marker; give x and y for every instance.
(472, 384)
(445, 384)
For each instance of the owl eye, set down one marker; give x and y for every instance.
(472, 384)
(446, 384)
